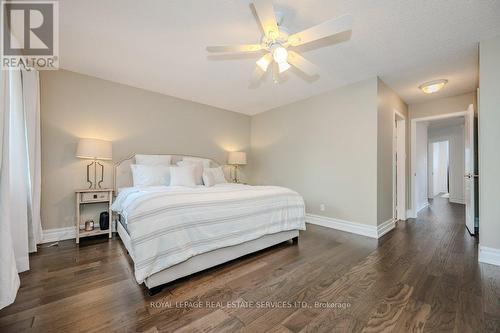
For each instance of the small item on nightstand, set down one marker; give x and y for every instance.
(104, 221)
(89, 225)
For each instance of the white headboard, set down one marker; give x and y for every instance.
(123, 173)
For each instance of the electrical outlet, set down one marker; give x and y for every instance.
(322, 207)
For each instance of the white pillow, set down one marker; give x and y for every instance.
(182, 176)
(153, 159)
(198, 169)
(208, 178)
(204, 161)
(150, 175)
(218, 175)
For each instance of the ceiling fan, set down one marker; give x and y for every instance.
(276, 42)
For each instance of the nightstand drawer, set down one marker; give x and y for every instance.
(94, 196)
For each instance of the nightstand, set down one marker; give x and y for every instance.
(90, 196)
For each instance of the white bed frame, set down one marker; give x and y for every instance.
(123, 178)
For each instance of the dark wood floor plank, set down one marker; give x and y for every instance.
(385, 316)
(444, 305)
(470, 317)
(491, 297)
(413, 318)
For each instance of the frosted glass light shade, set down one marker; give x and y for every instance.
(263, 63)
(280, 54)
(94, 149)
(433, 86)
(237, 158)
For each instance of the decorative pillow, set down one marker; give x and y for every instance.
(183, 176)
(150, 175)
(208, 178)
(198, 169)
(153, 159)
(204, 161)
(217, 174)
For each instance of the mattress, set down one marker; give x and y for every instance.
(169, 225)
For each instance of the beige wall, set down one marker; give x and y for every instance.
(74, 106)
(334, 149)
(325, 148)
(489, 141)
(442, 105)
(388, 103)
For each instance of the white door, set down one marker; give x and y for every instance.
(399, 172)
(469, 169)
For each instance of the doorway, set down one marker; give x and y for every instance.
(440, 162)
(439, 169)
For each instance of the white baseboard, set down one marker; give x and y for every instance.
(457, 200)
(385, 227)
(58, 234)
(410, 214)
(423, 207)
(489, 255)
(352, 227)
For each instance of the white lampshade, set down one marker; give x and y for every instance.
(237, 158)
(94, 149)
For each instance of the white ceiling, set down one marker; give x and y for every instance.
(160, 45)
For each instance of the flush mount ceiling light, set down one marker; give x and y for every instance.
(277, 44)
(433, 86)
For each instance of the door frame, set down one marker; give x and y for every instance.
(399, 178)
(413, 144)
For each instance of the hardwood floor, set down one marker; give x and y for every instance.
(421, 277)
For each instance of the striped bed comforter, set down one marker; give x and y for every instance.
(168, 225)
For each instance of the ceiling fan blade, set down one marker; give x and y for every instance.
(235, 48)
(302, 63)
(322, 30)
(265, 12)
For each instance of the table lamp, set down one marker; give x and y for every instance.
(237, 158)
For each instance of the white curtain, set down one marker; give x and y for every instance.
(20, 228)
(31, 99)
(9, 279)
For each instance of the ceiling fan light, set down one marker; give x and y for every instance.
(283, 66)
(263, 63)
(280, 54)
(433, 86)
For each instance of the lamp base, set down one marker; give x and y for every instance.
(235, 179)
(95, 184)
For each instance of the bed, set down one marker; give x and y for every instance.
(172, 231)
